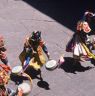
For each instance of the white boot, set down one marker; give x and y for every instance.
(61, 60)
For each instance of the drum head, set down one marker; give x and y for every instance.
(51, 65)
(25, 87)
(16, 69)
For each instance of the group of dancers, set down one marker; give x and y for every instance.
(81, 45)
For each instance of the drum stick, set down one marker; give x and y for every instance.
(26, 64)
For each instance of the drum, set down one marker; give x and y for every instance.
(51, 65)
(26, 88)
(17, 69)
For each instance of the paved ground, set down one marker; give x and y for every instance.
(18, 19)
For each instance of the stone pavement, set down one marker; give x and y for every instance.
(17, 20)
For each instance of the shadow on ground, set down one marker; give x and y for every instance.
(37, 75)
(34, 75)
(43, 84)
(71, 66)
(17, 79)
(66, 12)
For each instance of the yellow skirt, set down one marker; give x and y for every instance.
(36, 62)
